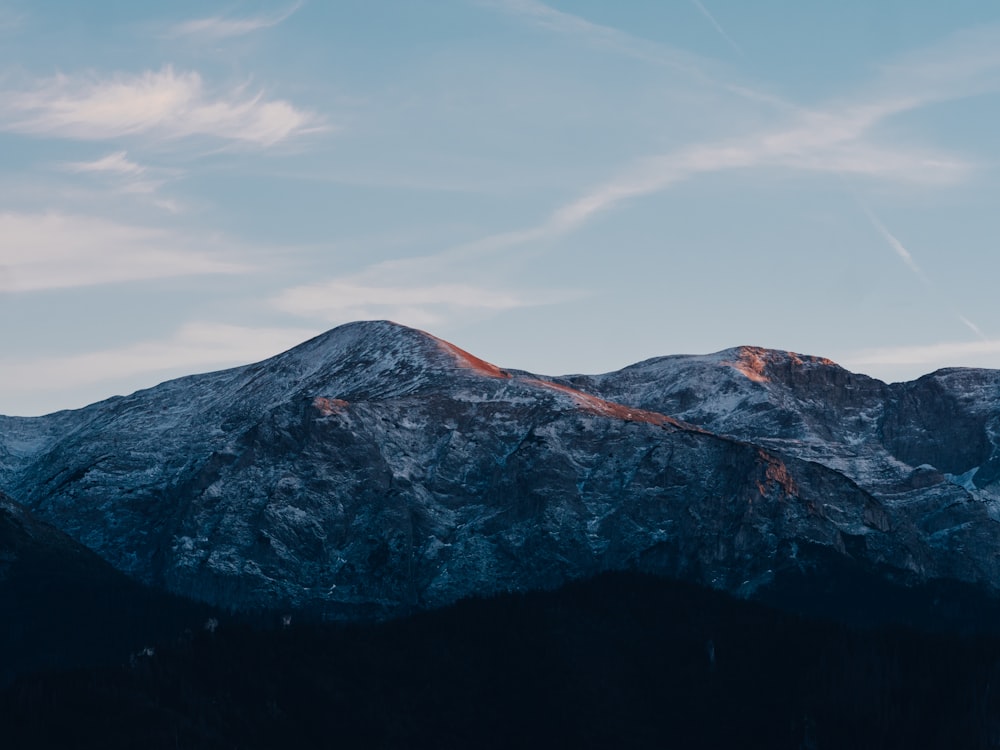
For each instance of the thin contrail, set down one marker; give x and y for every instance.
(973, 327)
(722, 32)
(907, 257)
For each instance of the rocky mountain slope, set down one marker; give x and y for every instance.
(377, 469)
(926, 449)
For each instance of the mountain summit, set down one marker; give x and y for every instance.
(377, 469)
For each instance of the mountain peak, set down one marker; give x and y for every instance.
(381, 358)
(367, 360)
(758, 363)
(361, 332)
(371, 337)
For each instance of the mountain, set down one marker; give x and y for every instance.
(942, 427)
(377, 470)
(927, 450)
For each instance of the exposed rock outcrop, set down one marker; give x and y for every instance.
(377, 469)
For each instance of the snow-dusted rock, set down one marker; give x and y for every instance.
(376, 469)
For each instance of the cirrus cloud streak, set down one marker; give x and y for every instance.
(219, 27)
(947, 353)
(59, 251)
(193, 346)
(163, 103)
(343, 300)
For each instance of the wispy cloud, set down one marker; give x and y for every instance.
(193, 347)
(165, 104)
(833, 139)
(544, 16)
(58, 251)
(218, 27)
(115, 163)
(353, 298)
(597, 35)
(943, 354)
(827, 141)
(913, 166)
(715, 24)
(126, 177)
(960, 65)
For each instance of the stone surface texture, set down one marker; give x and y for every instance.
(377, 469)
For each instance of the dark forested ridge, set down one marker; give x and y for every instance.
(623, 660)
(64, 606)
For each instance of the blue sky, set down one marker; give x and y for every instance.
(560, 187)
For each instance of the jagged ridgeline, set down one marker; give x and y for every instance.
(377, 470)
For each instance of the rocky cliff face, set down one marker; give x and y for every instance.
(377, 469)
(945, 422)
(927, 450)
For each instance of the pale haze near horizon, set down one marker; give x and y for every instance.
(558, 187)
